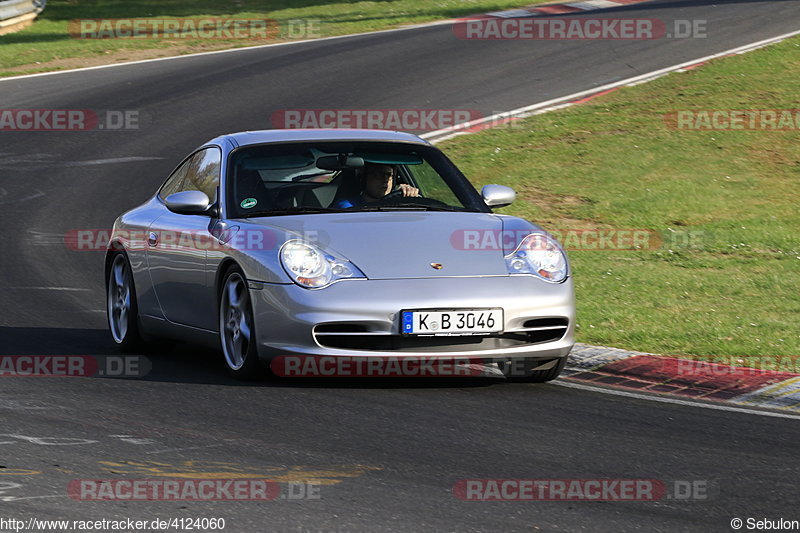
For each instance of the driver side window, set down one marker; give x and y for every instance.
(198, 173)
(431, 185)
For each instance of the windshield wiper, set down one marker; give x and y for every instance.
(293, 211)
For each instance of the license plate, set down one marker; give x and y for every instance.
(452, 322)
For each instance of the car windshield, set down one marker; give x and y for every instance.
(323, 177)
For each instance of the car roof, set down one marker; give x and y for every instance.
(246, 138)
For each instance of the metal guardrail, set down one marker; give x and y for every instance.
(15, 11)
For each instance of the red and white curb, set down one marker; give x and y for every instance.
(690, 379)
(562, 9)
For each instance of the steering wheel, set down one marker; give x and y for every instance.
(396, 193)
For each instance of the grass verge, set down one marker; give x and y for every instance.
(47, 44)
(731, 288)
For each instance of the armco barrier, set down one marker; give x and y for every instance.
(17, 14)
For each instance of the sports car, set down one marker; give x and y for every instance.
(340, 243)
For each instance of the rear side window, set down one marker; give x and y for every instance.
(200, 172)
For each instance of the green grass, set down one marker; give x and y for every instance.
(614, 163)
(48, 39)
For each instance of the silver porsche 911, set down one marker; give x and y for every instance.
(340, 243)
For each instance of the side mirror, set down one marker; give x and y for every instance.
(188, 202)
(498, 195)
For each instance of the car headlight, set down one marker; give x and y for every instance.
(311, 267)
(540, 255)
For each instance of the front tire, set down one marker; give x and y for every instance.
(236, 328)
(121, 307)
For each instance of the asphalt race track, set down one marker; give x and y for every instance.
(388, 454)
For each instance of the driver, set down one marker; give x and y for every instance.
(378, 181)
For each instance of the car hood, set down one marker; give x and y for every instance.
(408, 244)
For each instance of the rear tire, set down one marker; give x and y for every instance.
(121, 307)
(237, 328)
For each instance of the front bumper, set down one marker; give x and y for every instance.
(288, 317)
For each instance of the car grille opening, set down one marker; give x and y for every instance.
(340, 328)
(351, 336)
(546, 323)
(545, 329)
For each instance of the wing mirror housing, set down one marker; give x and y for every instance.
(498, 195)
(188, 203)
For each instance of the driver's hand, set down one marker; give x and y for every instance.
(408, 190)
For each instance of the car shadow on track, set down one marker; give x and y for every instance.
(184, 363)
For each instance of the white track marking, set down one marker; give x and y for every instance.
(9, 499)
(67, 289)
(23, 405)
(37, 194)
(511, 13)
(674, 401)
(91, 162)
(36, 161)
(591, 5)
(564, 101)
(231, 50)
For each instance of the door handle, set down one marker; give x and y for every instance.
(152, 238)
